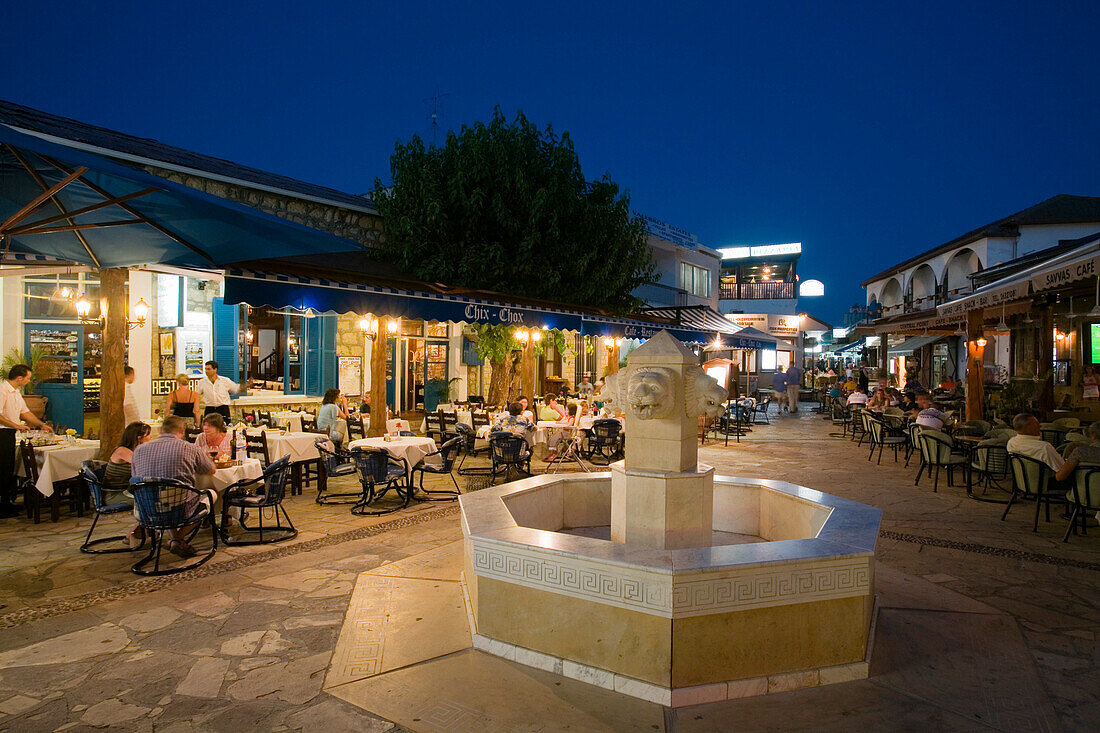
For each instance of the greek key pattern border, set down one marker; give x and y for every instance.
(660, 594)
(578, 577)
(763, 587)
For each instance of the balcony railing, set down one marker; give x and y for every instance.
(756, 291)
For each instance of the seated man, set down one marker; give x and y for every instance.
(928, 416)
(857, 397)
(1085, 455)
(1027, 442)
(836, 392)
(169, 455)
(513, 421)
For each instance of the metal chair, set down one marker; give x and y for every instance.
(378, 473)
(841, 416)
(913, 431)
(92, 473)
(470, 447)
(448, 422)
(858, 429)
(508, 451)
(163, 505)
(261, 493)
(1031, 479)
(761, 409)
(990, 464)
(1085, 496)
(605, 439)
(447, 453)
(882, 436)
(569, 449)
(936, 452)
(334, 463)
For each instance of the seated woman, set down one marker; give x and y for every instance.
(570, 418)
(116, 475)
(183, 401)
(333, 417)
(213, 439)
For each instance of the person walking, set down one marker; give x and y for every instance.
(215, 391)
(794, 384)
(779, 388)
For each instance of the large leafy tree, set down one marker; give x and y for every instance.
(504, 206)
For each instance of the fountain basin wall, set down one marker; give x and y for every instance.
(674, 626)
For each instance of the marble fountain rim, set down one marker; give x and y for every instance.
(850, 531)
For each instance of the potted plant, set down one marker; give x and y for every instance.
(35, 403)
(437, 391)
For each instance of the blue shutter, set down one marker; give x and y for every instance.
(330, 371)
(226, 322)
(312, 362)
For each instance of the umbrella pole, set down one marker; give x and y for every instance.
(112, 284)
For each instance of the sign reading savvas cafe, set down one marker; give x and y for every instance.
(1066, 273)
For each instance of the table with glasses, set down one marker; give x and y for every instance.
(59, 462)
(412, 448)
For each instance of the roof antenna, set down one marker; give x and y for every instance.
(434, 116)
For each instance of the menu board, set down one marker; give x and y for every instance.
(60, 355)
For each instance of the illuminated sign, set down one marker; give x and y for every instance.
(766, 250)
(811, 289)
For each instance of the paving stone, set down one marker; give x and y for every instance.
(112, 712)
(72, 647)
(17, 704)
(243, 645)
(335, 715)
(296, 682)
(205, 678)
(151, 620)
(207, 606)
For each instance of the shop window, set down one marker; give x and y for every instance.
(412, 328)
(43, 297)
(436, 329)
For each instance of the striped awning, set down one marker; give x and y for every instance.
(699, 317)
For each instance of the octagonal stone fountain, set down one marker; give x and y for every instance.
(662, 580)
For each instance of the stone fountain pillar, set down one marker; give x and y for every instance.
(660, 496)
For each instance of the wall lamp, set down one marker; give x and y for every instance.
(84, 309)
(369, 327)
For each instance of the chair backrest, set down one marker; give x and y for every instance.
(447, 421)
(504, 447)
(309, 423)
(1087, 486)
(935, 446)
(467, 434)
(162, 503)
(331, 459)
(1032, 476)
(1068, 422)
(449, 450)
(999, 433)
(370, 463)
(606, 430)
(30, 464)
(981, 425)
(256, 444)
(475, 399)
(92, 473)
(894, 421)
(991, 456)
(433, 423)
(356, 426)
(874, 426)
(263, 417)
(479, 418)
(407, 433)
(275, 479)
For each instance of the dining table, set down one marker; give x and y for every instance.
(59, 462)
(289, 420)
(413, 448)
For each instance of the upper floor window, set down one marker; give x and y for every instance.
(695, 280)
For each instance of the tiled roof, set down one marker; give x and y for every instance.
(152, 152)
(1060, 209)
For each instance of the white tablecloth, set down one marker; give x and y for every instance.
(412, 449)
(299, 446)
(393, 426)
(292, 421)
(250, 468)
(59, 462)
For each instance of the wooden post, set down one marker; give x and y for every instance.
(975, 366)
(527, 371)
(112, 387)
(1044, 356)
(612, 359)
(378, 383)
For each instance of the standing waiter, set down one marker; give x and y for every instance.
(14, 417)
(215, 391)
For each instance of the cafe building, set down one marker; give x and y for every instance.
(267, 275)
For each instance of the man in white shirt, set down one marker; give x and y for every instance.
(215, 391)
(858, 397)
(14, 417)
(130, 411)
(1028, 443)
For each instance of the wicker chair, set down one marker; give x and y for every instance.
(605, 439)
(470, 447)
(378, 473)
(334, 463)
(990, 463)
(265, 492)
(92, 473)
(508, 451)
(937, 451)
(882, 436)
(447, 454)
(163, 505)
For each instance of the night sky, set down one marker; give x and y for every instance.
(868, 131)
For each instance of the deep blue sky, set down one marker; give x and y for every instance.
(867, 131)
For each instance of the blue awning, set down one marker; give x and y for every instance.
(750, 338)
(612, 327)
(328, 296)
(161, 222)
